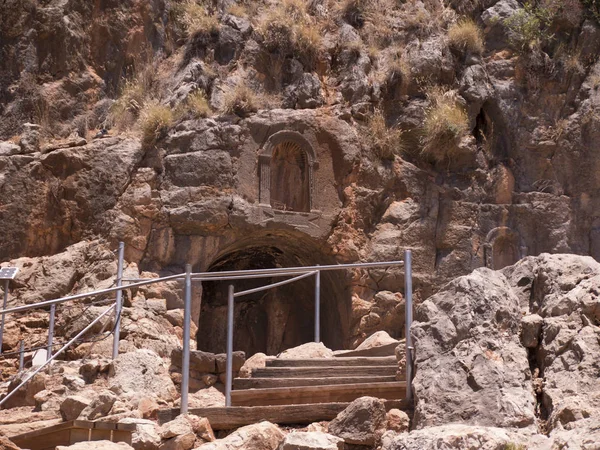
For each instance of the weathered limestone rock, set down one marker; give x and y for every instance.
(531, 327)
(146, 436)
(259, 436)
(26, 395)
(397, 421)
(469, 361)
(72, 406)
(6, 444)
(143, 372)
(100, 406)
(237, 362)
(96, 445)
(311, 441)
(460, 437)
(200, 361)
(308, 350)
(377, 339)
(361, 423)
(9, 149)
(256, 361)
(185, 432)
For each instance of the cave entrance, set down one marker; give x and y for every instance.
(290, 183)
(280, 318)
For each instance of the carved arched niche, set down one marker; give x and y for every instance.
(501, 248)
(286, 170)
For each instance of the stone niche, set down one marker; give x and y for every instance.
(501, 248)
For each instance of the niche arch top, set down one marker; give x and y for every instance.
(287, 163)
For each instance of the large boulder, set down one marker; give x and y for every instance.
(307, 351)
(72, 406)
(185, 432)
(361, 423)
(145, 436)
(25, 396)
(259, 436)
(141, 372)
(96, 445)
(470, 364)
(314, 440)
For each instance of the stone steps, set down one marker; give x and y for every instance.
(261, 383)
(299, 395)
(334, 362)
(324, 371)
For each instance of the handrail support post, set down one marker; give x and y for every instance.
(229, 368)
(3, 314)
(51, 331)
(318, 306)
(187, 319)
(408, 309)
(119, 301)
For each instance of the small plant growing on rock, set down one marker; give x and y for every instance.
(385, 141)
(197, 104)
(155, 120)
(466, 36)
(529, 27)
(241, 101)
(446, 123)
(191, 17)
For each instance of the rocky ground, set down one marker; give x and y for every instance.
(503, 359)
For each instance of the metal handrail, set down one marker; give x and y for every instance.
(88, 294)
(62, 349)
(274, 285)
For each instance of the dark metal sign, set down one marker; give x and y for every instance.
(8, 273)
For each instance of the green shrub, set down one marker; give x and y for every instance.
(530, 27)
(466, 36)
(593, 6)
(446, 123)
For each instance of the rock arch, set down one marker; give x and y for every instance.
(501, 248)
(286, 172)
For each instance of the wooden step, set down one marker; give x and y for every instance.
(324, 372)
(317, 394)
(261, 383)
(334, 362)
(227, 418)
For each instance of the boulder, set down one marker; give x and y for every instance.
(469, 361)
(459, 437)
(238, 361)
(72, 406)
(397, 421)
(185, 432)
(146, 436)
(9, 149)
(378, 339)
(361, 423)
(6, 444)
(100, 406)
(307, 351)
(256, 361)
(258, 436)
(96, 445)
(199, 361)
(142, 372)
(311, 441)
(205, 398)
(26, 395)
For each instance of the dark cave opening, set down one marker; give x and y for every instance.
(280, 318)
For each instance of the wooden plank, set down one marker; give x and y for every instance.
(105, 425)
(101, 435)
(126, 426)
(258, 383)
(226, 418)
(320, 372)
(382, 350)
(51, 440)
(334, 362)
(122, 436)
(317, 394)
(43, 431)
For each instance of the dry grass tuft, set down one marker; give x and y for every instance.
(385, 141)
(191, 18)
(241, 100)
(446, 123)
(466, 36)
(289, 30)
(197, 104)
(155, 120)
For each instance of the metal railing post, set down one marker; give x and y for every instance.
(3, 314)
(187, 320)
(117, 332)
(21, 355)
(408, 310)
(229, 374)
(51, 331)
(318, 306)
